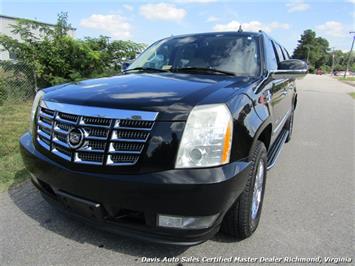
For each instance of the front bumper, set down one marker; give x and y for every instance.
(129, 204)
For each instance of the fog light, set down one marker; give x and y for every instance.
(181, 222)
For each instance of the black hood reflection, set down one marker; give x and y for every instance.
(172, 95)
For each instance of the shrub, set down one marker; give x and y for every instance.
(3, 92)
(56, 57)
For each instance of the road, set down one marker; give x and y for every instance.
(308, 210)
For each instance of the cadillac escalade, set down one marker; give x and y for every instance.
(176, 147)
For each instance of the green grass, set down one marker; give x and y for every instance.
(347, 78)
(14, 121)
(352, 94)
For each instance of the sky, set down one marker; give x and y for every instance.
(148, 21)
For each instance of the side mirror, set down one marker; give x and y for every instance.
(124, 66)
(290, 69)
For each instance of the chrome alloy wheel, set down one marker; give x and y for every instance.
(258, 189)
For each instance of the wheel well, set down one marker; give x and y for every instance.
(265, 136)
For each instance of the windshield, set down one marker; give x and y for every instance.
(238, 54)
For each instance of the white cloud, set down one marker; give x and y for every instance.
(162, 11)
(332, 28)
(278, 25)
(116, 25)
(128, 7)
(251, 26)
(297, 6)
(212, 19)
(351, 1)
(196, 1)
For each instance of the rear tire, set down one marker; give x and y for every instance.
(243, 217)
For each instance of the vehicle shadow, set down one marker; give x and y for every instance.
(31, 203)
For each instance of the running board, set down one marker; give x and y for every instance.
(276, 148)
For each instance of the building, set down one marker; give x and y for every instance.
(5, 28)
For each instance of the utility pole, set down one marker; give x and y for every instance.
(351, 51)
(333, 59)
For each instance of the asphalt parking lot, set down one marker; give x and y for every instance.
(308, 211)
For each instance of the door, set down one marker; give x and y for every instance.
(281, 94)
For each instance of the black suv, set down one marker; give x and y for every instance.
(174, 149)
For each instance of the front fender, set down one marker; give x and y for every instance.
(248, 125)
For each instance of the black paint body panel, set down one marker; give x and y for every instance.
(187, 192)
(153, 185)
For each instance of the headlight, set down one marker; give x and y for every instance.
(207, 138)
(35, 104)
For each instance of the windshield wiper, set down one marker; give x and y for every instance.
(202, 70)
(148, 69)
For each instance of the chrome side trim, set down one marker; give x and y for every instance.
(100, 112)
(282, 121)
(275, 157)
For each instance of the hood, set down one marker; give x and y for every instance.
(172, 95)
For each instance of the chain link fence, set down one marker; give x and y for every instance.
(17, 81)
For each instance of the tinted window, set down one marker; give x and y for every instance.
(279, 52)
(233, 53)
(287, 54)
(270, 55)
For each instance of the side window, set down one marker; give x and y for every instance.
(280, 56)
(286, 55)
(271, 58)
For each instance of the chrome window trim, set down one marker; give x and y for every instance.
(100, 112)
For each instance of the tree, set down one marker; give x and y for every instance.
(116, 52)
(56, 57)
(315, 49)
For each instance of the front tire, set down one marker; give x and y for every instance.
(243, 217)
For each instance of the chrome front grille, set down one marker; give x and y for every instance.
(109, 136)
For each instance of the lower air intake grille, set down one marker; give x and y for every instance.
(89, 135)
